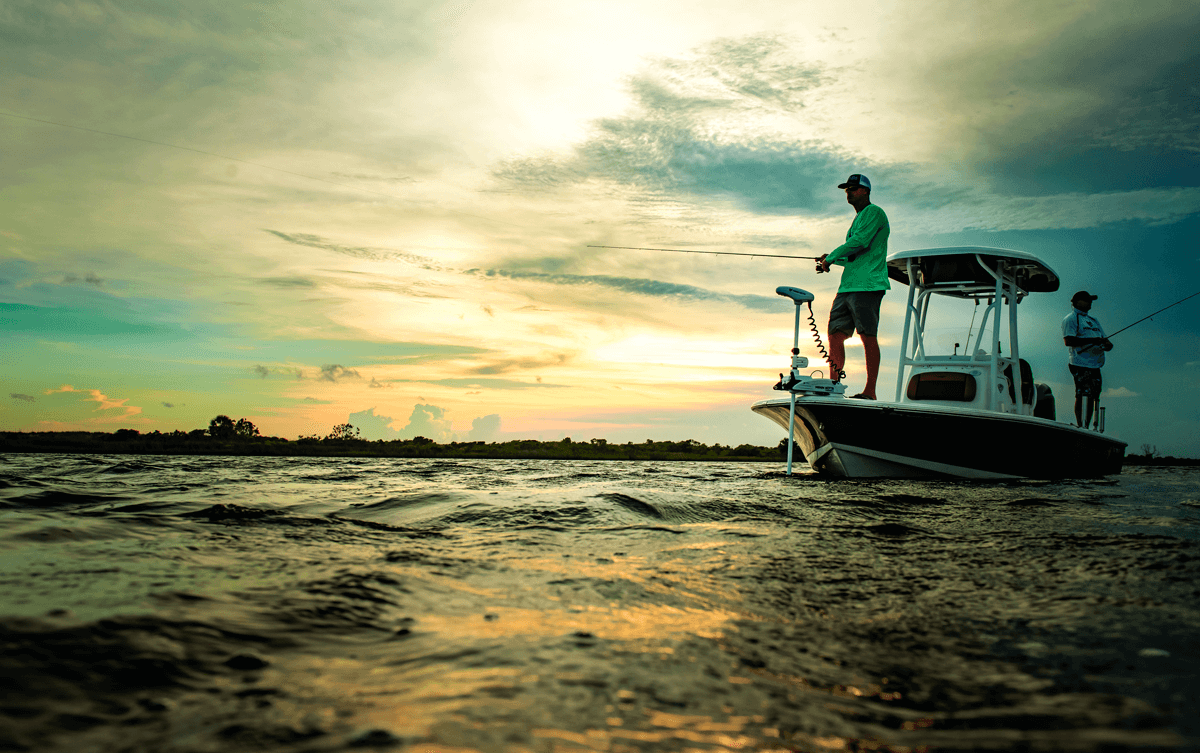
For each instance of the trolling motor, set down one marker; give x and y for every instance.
(795, 382)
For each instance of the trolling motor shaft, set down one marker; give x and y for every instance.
(795, 382)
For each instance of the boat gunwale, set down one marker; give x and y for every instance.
(937, 409)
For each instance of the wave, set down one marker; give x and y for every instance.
(56, 499)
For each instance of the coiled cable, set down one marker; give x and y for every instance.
(833, 370)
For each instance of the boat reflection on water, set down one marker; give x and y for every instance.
(975, 414)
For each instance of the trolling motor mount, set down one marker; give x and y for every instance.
(806, 386)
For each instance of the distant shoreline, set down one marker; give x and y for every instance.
(128, 442)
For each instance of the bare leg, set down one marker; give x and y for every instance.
(871, 351)
(837, 353)
(1079, 410)
(1091, 410)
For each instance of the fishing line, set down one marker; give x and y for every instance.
(1144, 318)
(697, 251)
(242, 161)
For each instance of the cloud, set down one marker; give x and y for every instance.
(90, 278)
(357, 252)
(373, 177)
(484, 428)
(19, 396)
(363, 281)
(168, 405)
(746, 73)
(428, 421)
(334, 372)
(522, 364)
(696, 130)
(638, 286)
(1066, 211)
(1102, 92)
(761, 174)
(373, 426)
(190, 63)
(104, 401)
(375, 384)
(752, 240)
(1120, 392)
(1017, 107)
(476, 383)
(264, 371)
(288, 282)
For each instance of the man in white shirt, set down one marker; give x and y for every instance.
(1084, 337)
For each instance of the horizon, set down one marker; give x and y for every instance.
(311, 216)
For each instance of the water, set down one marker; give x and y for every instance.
(322, 604)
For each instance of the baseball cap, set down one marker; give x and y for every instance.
(1084, 295)
(857, 180)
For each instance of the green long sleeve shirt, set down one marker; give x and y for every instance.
(866, 242)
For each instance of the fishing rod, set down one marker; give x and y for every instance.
(1144, 318)
(717, 253)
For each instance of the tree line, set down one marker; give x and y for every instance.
(225, 436)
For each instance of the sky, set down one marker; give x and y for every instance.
(381, 212)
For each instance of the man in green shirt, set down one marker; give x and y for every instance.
(864, 280)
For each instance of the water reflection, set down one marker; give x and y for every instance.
(300, 605)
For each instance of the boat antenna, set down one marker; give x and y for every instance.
(971, 328)
(697, 251)
(1144, 318)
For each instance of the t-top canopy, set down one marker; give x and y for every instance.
(957, 271)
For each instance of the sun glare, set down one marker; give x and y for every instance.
(716, 354)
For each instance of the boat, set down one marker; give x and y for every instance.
(974, 414)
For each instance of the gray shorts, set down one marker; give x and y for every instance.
(1087, 381)
(856, 311)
